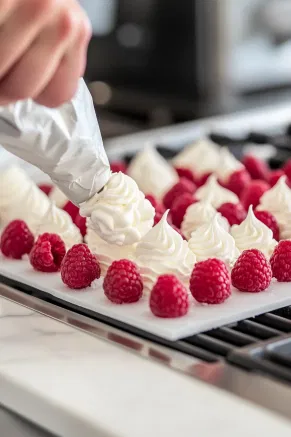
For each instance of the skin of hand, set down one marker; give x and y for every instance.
(43, 50)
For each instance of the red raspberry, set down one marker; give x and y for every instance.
(287, 169)
(281, 261)
(180, 206)
(210, 281)
(253, 192)
(181, 187)
(274, 176)
(16, 240)
(269, 220)
(256, 167)
(233, 212)
(46, 188)
(81, 223)
(185, 173)
(201, 180)
(169, 298)
(237, 182)
(123, 283)
(118, 166)
(80, 267)
(71, 209)
(47, 253)
(158, 207)
(252, 272)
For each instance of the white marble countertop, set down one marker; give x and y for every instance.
(77, 385)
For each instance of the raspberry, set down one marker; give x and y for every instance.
(269, 220)
(210, 281)
(252, 272)
(123, 283)
(252, 193)
(45, 188)
(81, 223)
(274, 176)
(256, 167)
(181, 187)
(80, 267)
(169, 298)
(201, 180)
(71, 209)
(158, 207)
(179, 207)
(238, 181)
(233, 212)
(287, 169)
(16, 240)
(281, 261)
(47, 253)
(185, 173)
(118, 166)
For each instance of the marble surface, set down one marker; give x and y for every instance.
(76, 384)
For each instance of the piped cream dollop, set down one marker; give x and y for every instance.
(199, 214)
(277, 201)
(152, 173)
(163, 251)
(20, 198)
(253, 234)
(107, 253)
(57, 197)
(228, 164)
(200, 157)
(211, 240)
(219, 194)
(119, 214)
(57, 221)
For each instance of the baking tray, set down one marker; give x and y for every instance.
(200, 318)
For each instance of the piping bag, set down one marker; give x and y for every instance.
(65, 143)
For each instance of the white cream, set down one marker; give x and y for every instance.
(277, 201)
(253, 234)
(198, 214)
(57, 221)
(107, 253)
(228, 164)
(219, 194)
(152, 173)
(58, 197)
(211, 240)
(21, 199)
(119, 214)
(200, 157)
(163, 251)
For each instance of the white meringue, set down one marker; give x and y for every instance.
(119, 214)
(152, 173)
(211, 240)
(58, 197)
(253, 234)
(228, 164)
(219, 194)
(58, 221)
(21, 199)
(198, 214)
(107, 253)
(200, 157)
(162, 251)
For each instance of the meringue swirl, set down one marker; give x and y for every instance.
(107, 253)
(201, 157)
(57, 221)
(213, 241)
(119, 214)
(228, 164)
(163, 251)
(152, 173)
(277, 199)
(253, 234)
(219, 194)
(57, 197)
(198, 214)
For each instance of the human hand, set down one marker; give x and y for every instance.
(43, 48)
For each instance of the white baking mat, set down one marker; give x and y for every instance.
(200, 318)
